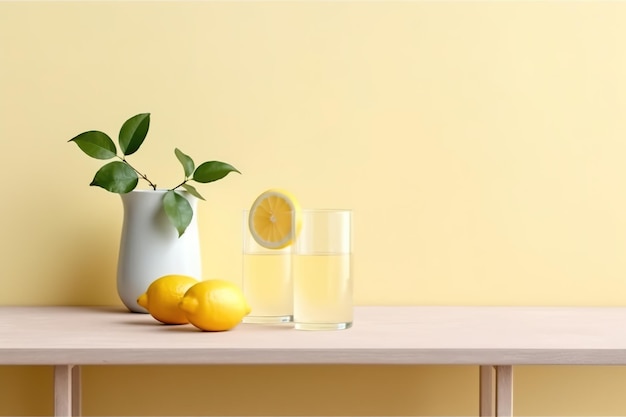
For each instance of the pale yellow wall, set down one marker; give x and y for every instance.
(480, 144)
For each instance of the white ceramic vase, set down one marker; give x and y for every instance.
(150, 246)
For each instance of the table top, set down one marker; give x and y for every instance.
(380, 335)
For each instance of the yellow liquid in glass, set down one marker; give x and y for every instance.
(322, 289)
(267, 284)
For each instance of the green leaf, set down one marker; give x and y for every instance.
(213, 171)
(133, 133)
(192, 190)
(186, 162)
(96, 144)
(178, 210)
(116, 177)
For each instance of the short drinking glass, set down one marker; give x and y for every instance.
(267, 283)
(322, 270)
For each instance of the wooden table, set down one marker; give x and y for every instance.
(493, 338)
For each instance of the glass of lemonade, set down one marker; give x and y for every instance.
(322, 270)
(266, 283)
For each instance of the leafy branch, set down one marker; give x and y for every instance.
(121, 177)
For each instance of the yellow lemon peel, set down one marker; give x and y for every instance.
(272, 218)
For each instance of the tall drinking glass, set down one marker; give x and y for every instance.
(266, 283)
(322, 270)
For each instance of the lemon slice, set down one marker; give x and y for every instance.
(270, 219)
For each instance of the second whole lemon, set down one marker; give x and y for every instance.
(163, 296)
(214, 305)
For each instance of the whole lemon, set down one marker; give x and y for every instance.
(214, 305)
(163, 296)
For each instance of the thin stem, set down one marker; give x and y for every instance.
(138, 173)
(180, 185)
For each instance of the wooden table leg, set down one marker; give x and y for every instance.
(63, 390)
(487, 397)
(504, 391)
(76, 391)
(66, 390)
(496, 399)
